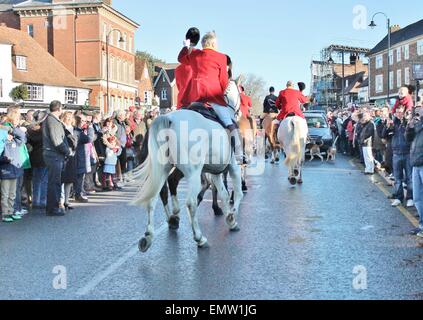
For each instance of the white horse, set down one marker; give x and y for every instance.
(292, 135)
(188, 141)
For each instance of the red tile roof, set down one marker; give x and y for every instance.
(42, 68)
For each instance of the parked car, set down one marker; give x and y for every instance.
(319, 130)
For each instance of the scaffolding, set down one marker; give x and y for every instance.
(325, 84)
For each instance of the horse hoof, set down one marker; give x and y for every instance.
(296, 173)
(244, 188)
(300, 181)
(231, 221)
(174, 222)
(293, 181)
(203, 243)
(277, 159)
(145, 244)
(272, 162)
(235, 229)
(218, 212)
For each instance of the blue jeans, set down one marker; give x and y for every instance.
(403, 173)
(18, 199)
(418, 191)
(225, 114)
(39, 186)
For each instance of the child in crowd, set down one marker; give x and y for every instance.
(113, 151)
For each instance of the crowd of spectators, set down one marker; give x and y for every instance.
(49, 157)
(387, 140)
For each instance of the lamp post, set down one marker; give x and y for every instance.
(121, 40)
(388, 23)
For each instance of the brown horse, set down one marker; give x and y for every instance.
(248, 132)
(271, 133)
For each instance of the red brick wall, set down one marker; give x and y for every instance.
(40, 29)
(64, 42)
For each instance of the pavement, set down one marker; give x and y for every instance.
(335, 237)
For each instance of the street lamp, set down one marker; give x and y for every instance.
(121, 40)
(388, 23)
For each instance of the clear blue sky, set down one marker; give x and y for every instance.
(272, 39)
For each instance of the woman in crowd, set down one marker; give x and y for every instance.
(69, 171)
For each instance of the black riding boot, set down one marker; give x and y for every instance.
(236, 142)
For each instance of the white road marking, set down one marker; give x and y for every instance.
(112, 268)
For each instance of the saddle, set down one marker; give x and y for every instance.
(207, 113)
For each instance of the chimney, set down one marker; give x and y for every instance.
(395, 28)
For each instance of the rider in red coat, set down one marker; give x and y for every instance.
(246, 104)
(183, 73)
(209, 75)
(289, 101)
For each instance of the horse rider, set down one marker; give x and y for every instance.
(289, 103)
(209, 82)
(246, 105)
(183, 72)
(269, 105)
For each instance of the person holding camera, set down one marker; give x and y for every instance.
(403, 172)
(414, 135)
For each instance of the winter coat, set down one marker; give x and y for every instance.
(69, 169)
(415, 135)
(112, 156)
(396, 133)
(35, 139)
(11, 161)
(83, 162)
(367, 134)
(54, 140)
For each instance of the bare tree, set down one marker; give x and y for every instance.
(255, 87)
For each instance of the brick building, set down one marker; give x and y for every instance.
(74, 32)
(406, 50)
(25, 62)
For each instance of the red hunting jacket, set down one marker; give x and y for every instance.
(183, 75)
(246, 105)
(209, 75)
(289, 101)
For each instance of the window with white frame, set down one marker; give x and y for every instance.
(420, 47)
(399, 54)
(21, 62)
(406, 49)
(391, 80)
(30, 29)
(407, 76)
(35, 92)
(391, 57)
(164, 95)
(379, 83)
(379, 62)
(399, 78)
(71, 96)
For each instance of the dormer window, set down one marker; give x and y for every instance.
(21, 63)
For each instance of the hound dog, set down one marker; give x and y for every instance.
(332, 151)
(315, 150)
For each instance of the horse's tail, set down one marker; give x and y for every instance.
(295, 143)
(152, 174)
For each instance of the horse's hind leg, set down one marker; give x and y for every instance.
(194, 189)
(146, 242)
(224, 197)
(164, 196)
(217, 210)
(173, 182)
